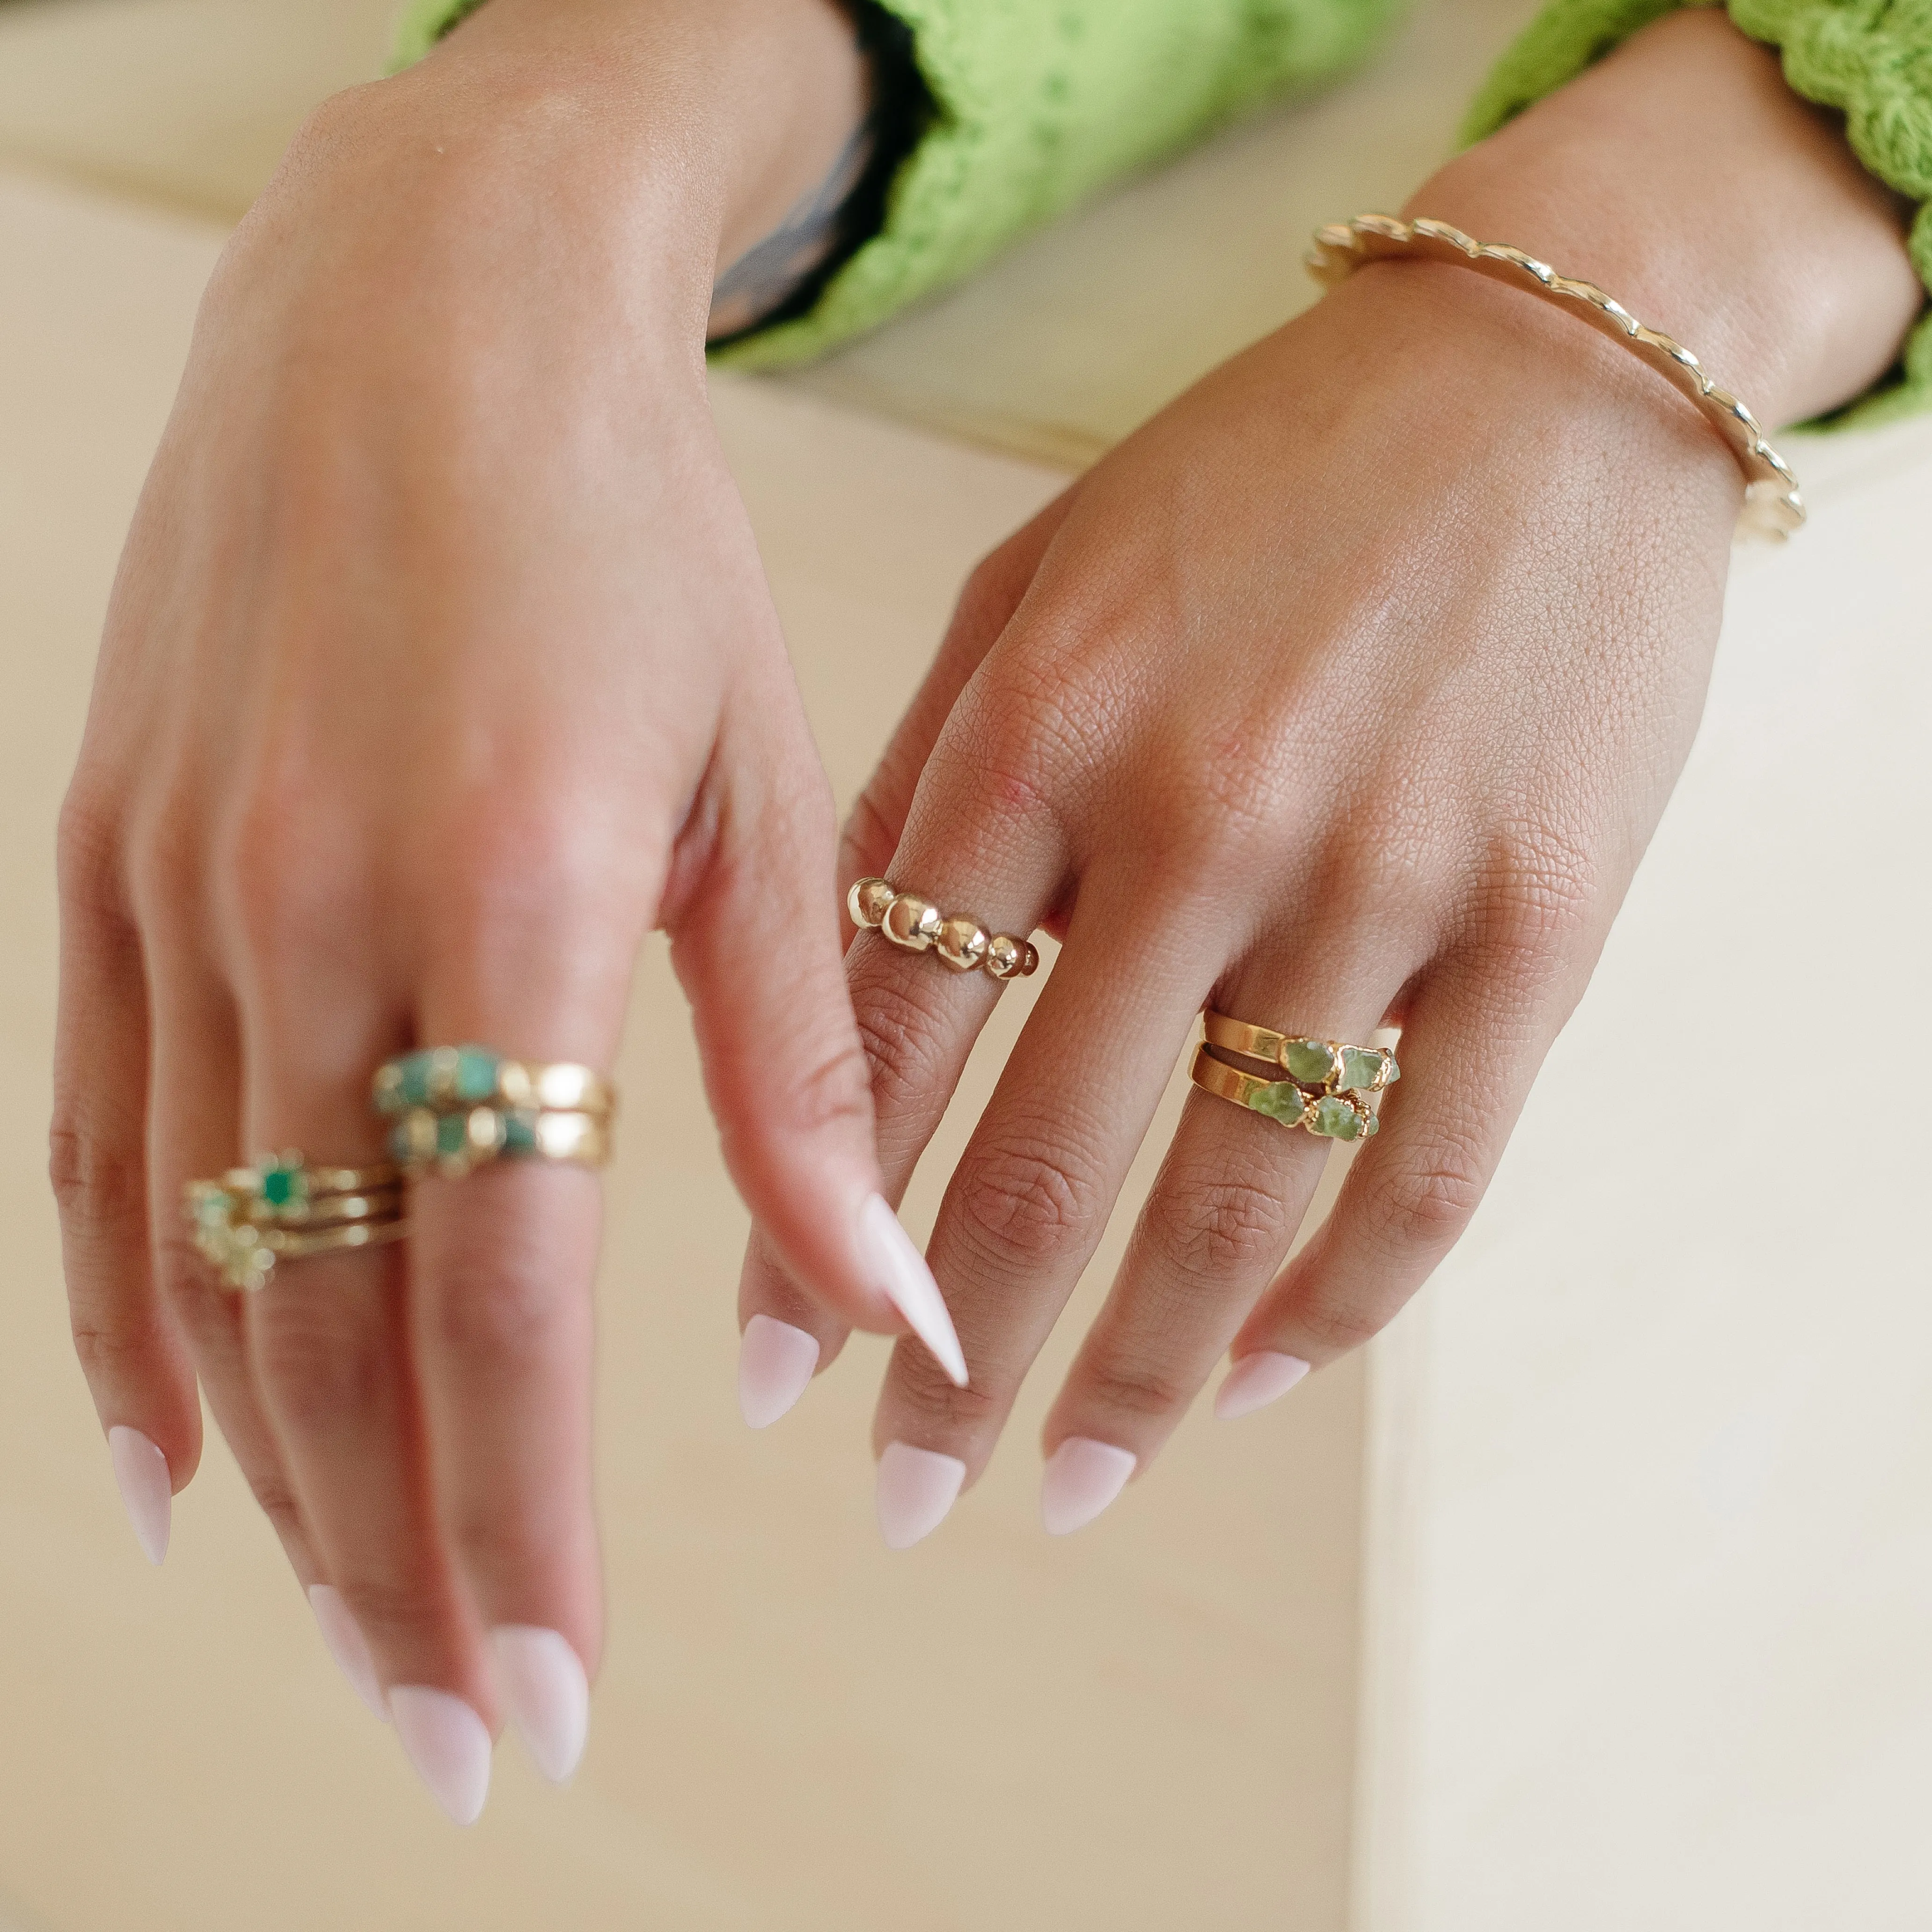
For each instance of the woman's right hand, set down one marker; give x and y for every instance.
(440, 669)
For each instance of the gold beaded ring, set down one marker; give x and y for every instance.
(918, 926)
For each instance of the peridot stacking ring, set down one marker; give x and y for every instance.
(1335, 1117)
(452, 1109)
(917, 925)
(1326, 1063)
(283, 1209)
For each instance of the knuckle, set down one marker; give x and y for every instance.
(1534, 894)
(1427, 1199)
(391, 1611)
(108, 1350)
(87, 848)
(285, 876)
(928, 1410)
(1205, 1228)
(100, 1181)
(315, 1370)
(277, 1501)
(1130, 1386)
(902, 1033)
(834, 1091)
(1336, 1324)
(1023, 1200)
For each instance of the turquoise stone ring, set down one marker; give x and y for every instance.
(451, 1109)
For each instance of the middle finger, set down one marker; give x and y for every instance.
(1031, 1196)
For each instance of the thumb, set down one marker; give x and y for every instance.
(757, 943)
(986, 605)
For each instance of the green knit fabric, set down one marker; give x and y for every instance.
(1041, 102)
(1870, 58)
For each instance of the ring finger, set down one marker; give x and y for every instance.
(1231, 1196)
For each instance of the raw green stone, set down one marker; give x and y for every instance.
(452, 1134)
(476, 1073)
(1308, 1060)
(519, 1133)
(1280, 1100)
(1360, 1065)
(1335, 1119)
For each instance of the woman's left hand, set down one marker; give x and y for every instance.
(1346, 693)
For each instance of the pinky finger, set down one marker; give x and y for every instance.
(1469, 1052)
(136, 1366)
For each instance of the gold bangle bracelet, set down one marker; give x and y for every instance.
(1772, 506)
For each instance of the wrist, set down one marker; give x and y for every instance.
(687, 128)
(1683, 175)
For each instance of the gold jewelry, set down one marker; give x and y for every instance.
(453, 1145)
(454, 1109)
(1335, 1117)
(1326, 1063)
(919, 926)
(447, 1079)
(1772, 506)
(281, 1208)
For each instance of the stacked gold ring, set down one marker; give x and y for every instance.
(454, 1109)
(282, 1209)
(919, 926)
(1326, 1080)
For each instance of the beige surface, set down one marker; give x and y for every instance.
(1147, 1726)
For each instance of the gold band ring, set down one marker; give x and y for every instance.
(1326, 1063)
(1334, 1117)
(451, 1079)
(282, 1208)
(919, 926)
(453, 1145)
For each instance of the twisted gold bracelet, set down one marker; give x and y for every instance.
(1772, 507)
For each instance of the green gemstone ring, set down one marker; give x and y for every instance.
(1333, 1116)
(453, 1109)
(1326, 1063)
(282, 1208)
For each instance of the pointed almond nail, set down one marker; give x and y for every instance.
(916, 1489)
(901, 1273)
(543, 1683)
(1257, 1380)
(347, 1644)
(147, 1490)
(448, 1745)
(775, 1362)
(1082, 1477)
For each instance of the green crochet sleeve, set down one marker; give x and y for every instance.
(1039, 102)
(1870, 58)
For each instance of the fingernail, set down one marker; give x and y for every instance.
(901, 1272)
(347, 1644)
(542, 1680)
(775, 1363)
(147, 1491)
(1082, 1477)
(917, 1487)
(448, 1744)
(1256, 1380)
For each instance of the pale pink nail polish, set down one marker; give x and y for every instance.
(544, 1684)
(448, 1745)
(347, 1644)
(147, 1490)
(1082, 1477)
(1255, 1381)
(899, 1271)
(916, 1489)
(775, 1362)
